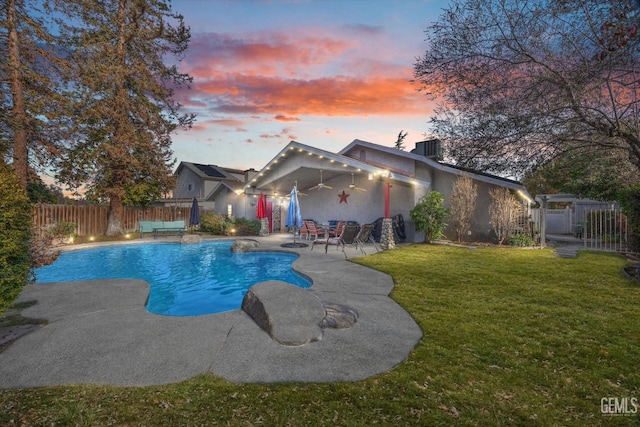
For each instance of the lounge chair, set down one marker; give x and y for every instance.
(312, 230)
(304, 230)
(365, 235)
(347, 237)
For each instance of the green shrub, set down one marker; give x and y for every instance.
(630, 202)
(61, 230)
(247, 227)
(15, 236)
(429, 215)
(222, 225)
(214, 223)
(521, 240)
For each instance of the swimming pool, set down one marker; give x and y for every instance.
(185, 280)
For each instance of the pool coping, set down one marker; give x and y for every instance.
(98, 332)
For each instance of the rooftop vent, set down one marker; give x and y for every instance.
(431, 149)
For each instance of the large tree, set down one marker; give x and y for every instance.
(123, 88)
(594, 175)
(522, 81)
(30, 103)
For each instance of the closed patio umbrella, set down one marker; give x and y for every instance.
(294, 217)
(194, 218)
(261, 214)
(261, 208)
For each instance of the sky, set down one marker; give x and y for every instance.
(320, 72)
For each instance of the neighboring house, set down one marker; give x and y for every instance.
(361, 166)
(565, 212)
(216, 188)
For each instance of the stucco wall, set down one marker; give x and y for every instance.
(185, 178)
(324, 205)
(480, 228)
(363, 207)
(382, 158)
(240, 205)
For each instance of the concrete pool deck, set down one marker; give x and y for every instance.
(99, 332)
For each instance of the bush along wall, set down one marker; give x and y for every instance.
(630, 202)
(222, 225)
(15, 237)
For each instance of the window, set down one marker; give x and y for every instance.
(229, 211)
(189, 187)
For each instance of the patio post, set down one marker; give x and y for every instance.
(386, 237)
(386, 199)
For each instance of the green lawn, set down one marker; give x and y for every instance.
(511, 337)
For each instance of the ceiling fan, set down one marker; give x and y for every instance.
(353, 185)
(321, 184)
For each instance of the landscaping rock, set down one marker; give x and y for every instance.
(338, 316)
(191, 238)
(241, 246)
(289, 314)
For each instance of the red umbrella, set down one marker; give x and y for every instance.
(261, 209)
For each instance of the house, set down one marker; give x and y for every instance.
(366, 181)
(216, 188)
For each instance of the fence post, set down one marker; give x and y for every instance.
(543, 223)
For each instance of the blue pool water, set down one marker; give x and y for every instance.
(186, 280)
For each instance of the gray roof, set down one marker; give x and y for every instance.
(210, 171)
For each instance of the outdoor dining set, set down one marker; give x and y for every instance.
(338, 233)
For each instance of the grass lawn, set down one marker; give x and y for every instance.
(511, 337)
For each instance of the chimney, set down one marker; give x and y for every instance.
(249, 174)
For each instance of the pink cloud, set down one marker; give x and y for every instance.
(258, 54)
(283, 118)
(331, 96)
(285, 133)
(287, 76)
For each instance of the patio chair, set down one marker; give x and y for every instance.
(313, 231)
(304, 231)
(338, 230)
(365, 235)
(347, 237)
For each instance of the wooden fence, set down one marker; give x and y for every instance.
(92, 219)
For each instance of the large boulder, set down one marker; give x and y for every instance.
(241, 246)
(289, 314)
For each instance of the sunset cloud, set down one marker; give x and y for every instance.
(282, 118)
(286, 99)
(264, 53)
(288, 76)
(285, 133)
(323, 73)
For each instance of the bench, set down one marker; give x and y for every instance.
(157, 227)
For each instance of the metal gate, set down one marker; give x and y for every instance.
(605, 230)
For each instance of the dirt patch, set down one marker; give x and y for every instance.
(632, 272)
(13, 325)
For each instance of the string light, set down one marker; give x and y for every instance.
(375, 173)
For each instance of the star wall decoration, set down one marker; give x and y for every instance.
(343, 197)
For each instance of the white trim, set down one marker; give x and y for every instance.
(341, 159)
